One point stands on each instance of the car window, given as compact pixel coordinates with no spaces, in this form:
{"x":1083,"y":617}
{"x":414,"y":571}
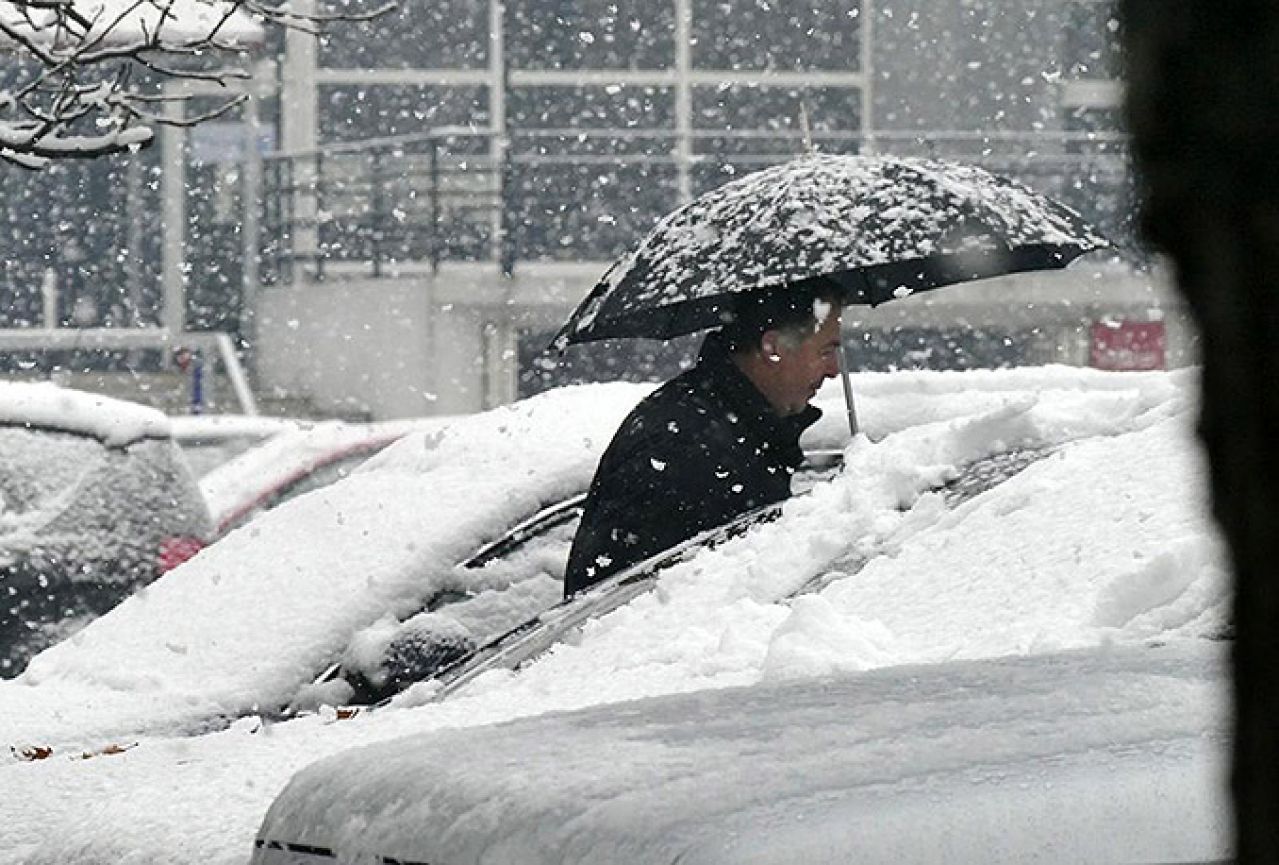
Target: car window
{"x":40,"y":471}
{"x":568,"y":511}
{"x":205,"y":456}
{"x":305,"y":482}
{"x":325,"y":475}
{"x":40,"y":468}
{"x":496,"y":588}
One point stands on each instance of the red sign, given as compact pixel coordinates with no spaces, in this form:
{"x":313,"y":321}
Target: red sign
{"x":1129,"y":345}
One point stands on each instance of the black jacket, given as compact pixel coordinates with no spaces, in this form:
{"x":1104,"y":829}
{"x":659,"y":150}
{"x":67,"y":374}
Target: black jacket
{"x":700,"y":450}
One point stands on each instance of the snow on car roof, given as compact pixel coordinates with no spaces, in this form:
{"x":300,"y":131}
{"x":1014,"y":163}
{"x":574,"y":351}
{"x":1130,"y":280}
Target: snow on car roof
{"x":114,"y":422}
{"x":218,"y":427}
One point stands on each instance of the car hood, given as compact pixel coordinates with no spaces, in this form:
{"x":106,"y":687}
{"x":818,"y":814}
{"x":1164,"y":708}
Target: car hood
{"x":1096,"y":755}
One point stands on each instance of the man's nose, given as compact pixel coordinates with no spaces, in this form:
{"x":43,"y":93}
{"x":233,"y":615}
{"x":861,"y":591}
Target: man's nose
{"x":832,"y":367}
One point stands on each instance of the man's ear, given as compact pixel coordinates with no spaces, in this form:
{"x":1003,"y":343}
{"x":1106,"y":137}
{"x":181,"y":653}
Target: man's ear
{"x":769,"y":341}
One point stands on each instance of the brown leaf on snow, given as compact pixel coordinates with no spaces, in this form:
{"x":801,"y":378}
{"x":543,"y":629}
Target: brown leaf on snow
{"x":31,"y":753}
{"x":108,"y":750}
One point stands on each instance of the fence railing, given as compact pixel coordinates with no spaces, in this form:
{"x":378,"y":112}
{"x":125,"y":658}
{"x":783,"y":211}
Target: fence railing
{"x":414,"y":202}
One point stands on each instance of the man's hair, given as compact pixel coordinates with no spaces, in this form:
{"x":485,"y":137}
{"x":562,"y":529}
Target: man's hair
{"x":790,"y":310}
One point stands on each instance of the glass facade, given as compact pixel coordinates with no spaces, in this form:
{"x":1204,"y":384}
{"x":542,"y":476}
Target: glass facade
{"x":441,"y":34}
{"x":590,"y":34}
{"x":816,"y":35}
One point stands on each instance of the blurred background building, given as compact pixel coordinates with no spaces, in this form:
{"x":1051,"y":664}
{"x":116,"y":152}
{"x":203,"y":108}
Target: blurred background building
{"x":400,"y":217}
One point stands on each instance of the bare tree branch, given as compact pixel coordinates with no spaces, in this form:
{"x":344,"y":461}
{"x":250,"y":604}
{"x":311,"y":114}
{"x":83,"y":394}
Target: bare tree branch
{"x":74,"y":94}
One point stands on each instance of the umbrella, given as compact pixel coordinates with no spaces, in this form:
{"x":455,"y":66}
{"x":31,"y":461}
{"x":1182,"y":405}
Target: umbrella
{"x":878,"y":227}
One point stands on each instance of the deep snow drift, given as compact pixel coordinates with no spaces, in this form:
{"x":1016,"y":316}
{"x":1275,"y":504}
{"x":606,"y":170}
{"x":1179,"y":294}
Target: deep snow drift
{"x":1105,"y":539}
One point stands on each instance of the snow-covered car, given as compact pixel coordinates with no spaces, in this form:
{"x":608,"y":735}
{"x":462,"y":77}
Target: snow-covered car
{"x":95,"y":502}
{"x":1097,"y":755}
{"x":320,"y":578}
{"x":1103,"y":541}
{"x":294,"y":460}
{"x":1085,"y":748}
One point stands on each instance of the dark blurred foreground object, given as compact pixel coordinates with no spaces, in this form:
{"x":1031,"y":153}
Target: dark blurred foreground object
{"x":95,"y":501}
{"x":1203,"y":78}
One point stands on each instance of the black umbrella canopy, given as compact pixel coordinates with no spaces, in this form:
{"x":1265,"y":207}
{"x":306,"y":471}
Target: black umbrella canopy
{"x":879,"y":227}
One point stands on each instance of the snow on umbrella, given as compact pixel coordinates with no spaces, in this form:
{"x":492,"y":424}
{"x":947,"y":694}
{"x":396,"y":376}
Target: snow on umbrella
{"x":878,"y":226}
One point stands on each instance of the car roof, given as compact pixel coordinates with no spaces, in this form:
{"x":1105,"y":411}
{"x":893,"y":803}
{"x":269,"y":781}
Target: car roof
{"x":1103,"y":755}
{"x":45,"y":405}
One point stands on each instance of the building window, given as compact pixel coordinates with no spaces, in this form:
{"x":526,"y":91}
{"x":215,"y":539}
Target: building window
{"x":441,"y":34}
{"x":816,"y":35}
{"x":590,"y":34}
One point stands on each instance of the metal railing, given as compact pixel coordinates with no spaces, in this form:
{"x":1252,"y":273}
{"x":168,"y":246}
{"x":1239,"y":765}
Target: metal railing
{"x":392,"y":205}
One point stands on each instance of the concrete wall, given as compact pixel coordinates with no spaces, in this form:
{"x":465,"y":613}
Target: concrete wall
{"x":409,"y":345}
{"x":353,"y":348}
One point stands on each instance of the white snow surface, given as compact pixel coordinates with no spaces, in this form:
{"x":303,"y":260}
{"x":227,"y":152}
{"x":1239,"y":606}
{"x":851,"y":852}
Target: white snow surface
{"x":981,"y":761}
{"x":1106,"y":541}
{"x":114,"y":422}
{"x":289,"y":454}
{"x":219,"y":427}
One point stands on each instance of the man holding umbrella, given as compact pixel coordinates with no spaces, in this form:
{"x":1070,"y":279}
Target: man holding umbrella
{"x":769,"y":259}
{"x":716,"y":442}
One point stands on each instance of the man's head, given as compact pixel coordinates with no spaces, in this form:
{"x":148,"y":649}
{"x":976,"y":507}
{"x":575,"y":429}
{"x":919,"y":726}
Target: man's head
{"x":787,"y":343}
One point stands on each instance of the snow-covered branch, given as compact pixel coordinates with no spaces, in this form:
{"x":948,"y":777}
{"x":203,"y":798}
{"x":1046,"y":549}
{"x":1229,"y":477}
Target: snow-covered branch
{"x":81,"y":75}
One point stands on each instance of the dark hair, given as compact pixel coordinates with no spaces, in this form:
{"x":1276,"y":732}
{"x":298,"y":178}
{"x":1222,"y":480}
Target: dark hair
{"x":787,"y":308}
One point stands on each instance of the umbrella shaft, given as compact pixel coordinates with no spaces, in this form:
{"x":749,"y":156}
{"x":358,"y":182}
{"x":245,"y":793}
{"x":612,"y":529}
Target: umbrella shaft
{"x":848,"y":390}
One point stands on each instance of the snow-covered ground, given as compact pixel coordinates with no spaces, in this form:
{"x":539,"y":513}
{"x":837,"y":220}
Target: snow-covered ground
{"x":1105,"y":540}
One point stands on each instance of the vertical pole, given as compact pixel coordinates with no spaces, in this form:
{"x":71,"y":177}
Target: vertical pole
{"x":377,"y":207}
{"x":317,"y":205}
{"x":435,"y":204}
{"x":174,"y":219}
{"x":868,"y":78}
{"x":136,"y":207}
{"x":252,"y":224}
{"x":197,"y":381}
{"x":49,"y":296}
{"x":684,"y":99}
{"x":499,"y":143}
{"x":300,"y":132}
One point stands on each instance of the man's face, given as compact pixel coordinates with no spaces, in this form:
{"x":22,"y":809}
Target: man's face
{"x":800,"y":369}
